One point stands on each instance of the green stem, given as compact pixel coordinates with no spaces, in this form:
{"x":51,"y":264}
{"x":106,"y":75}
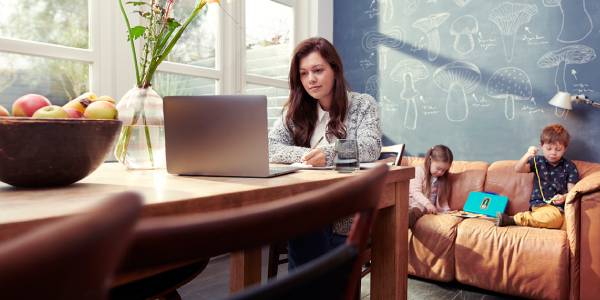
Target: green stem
{"x":154,"y":64}
{"x":148,"y":141}
{"x":134,"y":55}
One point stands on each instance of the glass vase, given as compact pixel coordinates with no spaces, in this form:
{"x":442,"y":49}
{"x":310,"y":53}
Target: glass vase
{"x":141,"y":144}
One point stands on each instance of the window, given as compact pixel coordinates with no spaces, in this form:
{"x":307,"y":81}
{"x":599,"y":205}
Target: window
{"x":44,"y":48}
{"x":268,"y":41}
{"x":63,"y":48}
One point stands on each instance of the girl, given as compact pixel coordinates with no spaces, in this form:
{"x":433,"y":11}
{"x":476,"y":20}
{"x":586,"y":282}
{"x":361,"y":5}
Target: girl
{"x":429,"y":191}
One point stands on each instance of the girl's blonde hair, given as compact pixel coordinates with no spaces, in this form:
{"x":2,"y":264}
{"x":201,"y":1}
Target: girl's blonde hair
{"x":439,"y":153}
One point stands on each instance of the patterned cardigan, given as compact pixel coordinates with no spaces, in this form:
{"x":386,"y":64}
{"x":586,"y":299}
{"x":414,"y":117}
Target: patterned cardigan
{"x":362,"y":123}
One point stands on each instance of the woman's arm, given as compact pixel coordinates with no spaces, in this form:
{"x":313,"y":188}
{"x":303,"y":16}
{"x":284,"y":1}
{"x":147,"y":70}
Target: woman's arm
{"x":281,"y":145}
{"x":368,"y":132}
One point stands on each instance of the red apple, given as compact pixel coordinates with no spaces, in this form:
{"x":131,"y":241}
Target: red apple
{"x":101,"y":110}
{"x":3,"y":112}
{"x":29,"y":104}
{"x":76,"y":104}
{"x":50,"y":112}
{"x":73,"y":113}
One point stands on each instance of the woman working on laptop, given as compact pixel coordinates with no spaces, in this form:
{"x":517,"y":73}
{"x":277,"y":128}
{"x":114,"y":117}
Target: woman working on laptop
{"x":319,"y":110}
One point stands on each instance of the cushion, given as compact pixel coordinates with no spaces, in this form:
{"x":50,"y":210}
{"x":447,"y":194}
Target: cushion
{"x":514,"y":260}
{"x":431,"y":247}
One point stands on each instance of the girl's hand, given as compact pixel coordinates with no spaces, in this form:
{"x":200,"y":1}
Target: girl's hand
{"x":430,"y":209}
{"x":315,"y":158}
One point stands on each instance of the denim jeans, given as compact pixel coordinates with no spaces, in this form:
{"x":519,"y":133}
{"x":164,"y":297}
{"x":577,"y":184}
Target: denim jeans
{"x":310,"y":246}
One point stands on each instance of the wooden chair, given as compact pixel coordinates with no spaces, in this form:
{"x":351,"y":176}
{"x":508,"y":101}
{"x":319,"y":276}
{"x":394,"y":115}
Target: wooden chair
{"x":389,"y":154}
{"x":171,"y":242}
{"x":72,"y":258}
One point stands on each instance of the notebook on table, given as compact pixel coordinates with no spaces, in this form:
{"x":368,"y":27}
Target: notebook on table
{"x":218,"y":135}
{"x":391,"y":155}
{"x":485,"y":203}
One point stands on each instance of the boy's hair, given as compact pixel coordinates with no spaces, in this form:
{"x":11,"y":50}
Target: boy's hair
{"x":555,"y":133}
{"x":438,"y":153}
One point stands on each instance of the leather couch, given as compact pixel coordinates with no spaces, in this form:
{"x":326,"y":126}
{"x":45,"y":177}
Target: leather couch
{"x":520,"y":261}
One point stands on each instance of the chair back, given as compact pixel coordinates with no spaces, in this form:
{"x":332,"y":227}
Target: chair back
{"x":72,"y":258}
{"x":171,"y":240}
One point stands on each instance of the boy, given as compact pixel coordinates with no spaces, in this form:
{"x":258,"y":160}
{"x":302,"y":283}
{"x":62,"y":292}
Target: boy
{"x":554,"y":177}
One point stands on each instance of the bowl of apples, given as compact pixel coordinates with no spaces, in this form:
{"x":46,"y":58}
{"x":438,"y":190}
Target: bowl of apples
{"x":43,"y":145}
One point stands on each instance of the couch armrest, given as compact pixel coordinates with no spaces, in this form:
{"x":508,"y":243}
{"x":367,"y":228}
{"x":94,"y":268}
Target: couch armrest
{"x":582,"y":217}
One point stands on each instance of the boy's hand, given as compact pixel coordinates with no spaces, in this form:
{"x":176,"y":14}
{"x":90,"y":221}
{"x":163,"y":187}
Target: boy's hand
{"x":559,"y":199}
{"x":531,"y":151}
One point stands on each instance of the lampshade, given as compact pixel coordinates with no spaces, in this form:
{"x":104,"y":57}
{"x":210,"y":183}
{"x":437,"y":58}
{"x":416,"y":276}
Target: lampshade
{"x":561,"y":100}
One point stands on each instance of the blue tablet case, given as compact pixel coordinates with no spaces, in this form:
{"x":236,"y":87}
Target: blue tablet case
{"x":485,"y":203}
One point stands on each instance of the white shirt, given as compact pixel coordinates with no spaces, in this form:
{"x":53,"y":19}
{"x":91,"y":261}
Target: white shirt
{"x":320,"y":128}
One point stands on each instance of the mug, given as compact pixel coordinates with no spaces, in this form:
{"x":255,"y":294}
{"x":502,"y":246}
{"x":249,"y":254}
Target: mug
{"x":346,"y":156}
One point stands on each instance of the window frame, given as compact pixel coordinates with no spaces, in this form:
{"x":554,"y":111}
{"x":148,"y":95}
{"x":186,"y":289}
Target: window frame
{"x":109,"y":55}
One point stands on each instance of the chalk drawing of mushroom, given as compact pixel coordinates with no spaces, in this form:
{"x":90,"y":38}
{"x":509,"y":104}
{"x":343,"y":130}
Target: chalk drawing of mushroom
{"x":372,"y":86}
{"x":457,"y":79}
{"x":509,"y":17}
{"x":510,"y":84}
{"x":409,"y":7}
{"x":429,"y":25}
{"x":407,"y":72}
{"x":576,"y":21}
{"x":462,"y":3}
{"x":562,"y":58}
{"x":463,"y":30}
{"x":391,"y":39}
{"x":387,"y":10}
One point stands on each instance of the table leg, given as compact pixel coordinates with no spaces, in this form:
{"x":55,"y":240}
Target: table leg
{"x":244,"y":269}
{"x":390,"y":249}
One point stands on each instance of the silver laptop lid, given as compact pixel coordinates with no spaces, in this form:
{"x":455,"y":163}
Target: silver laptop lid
{"x":216,"y":135}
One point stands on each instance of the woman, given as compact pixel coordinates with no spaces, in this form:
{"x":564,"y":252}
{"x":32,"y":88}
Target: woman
{"x":320,"y":110}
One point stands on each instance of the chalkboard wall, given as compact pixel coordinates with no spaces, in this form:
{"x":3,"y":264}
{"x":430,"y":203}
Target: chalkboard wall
{"x":475,"y":75}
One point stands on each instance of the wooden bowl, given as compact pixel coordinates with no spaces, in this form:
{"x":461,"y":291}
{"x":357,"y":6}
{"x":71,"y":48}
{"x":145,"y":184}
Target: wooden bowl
{"x":53,"y":152}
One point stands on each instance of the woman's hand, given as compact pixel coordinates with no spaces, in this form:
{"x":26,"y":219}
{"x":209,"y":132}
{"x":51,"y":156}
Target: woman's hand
{"x":315,"y":158}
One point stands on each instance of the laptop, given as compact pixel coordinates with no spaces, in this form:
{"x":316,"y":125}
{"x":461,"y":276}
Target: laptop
{"x":485,"y":203}
{"x":218,"y":135}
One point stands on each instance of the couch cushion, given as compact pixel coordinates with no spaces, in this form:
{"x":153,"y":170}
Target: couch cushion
{"x":465,"y":176}
{"x":502,"y":179}
{"x":431,"y":247}
{"x":515,"y":260}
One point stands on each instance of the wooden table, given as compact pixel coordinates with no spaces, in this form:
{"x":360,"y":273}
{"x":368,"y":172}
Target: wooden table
{"x":164,"y":194}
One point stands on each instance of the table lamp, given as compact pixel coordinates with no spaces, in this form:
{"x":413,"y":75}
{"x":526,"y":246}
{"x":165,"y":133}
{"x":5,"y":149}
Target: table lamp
{"x":563,"y":100}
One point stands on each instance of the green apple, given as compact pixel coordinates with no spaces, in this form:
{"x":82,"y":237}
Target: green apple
{"x":101,"y":110}
{"x":3,"y":112}
{"x":50,"y":112}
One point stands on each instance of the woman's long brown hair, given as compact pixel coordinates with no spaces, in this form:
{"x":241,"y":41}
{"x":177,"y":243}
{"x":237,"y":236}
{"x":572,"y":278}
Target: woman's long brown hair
{"x":301,"y":115}
{"x":438,"y":153}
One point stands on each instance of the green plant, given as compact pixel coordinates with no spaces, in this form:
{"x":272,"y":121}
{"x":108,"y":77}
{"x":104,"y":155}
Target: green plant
{"x":159,"y":33}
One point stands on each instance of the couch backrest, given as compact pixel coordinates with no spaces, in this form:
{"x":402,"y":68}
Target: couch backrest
{"x":465,"y":176}
{"x":502,"y":179}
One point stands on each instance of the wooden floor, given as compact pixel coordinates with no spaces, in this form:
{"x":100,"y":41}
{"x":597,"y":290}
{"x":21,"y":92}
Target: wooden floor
{"x":213,"y":283}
